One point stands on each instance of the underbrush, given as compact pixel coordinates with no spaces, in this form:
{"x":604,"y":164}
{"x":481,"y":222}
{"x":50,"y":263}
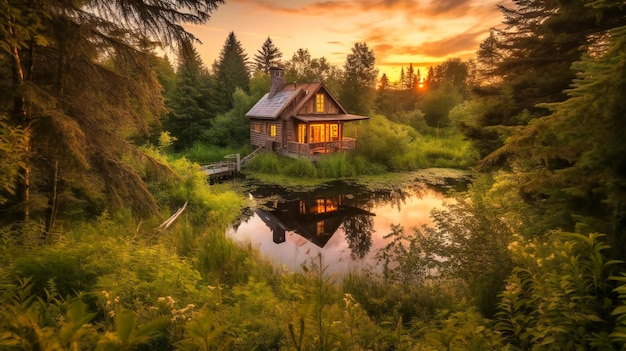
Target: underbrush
{"x":205,"y":153}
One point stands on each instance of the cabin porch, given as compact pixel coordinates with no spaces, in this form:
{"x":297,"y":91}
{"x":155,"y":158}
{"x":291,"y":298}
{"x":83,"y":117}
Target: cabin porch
{"x":319,"y":148}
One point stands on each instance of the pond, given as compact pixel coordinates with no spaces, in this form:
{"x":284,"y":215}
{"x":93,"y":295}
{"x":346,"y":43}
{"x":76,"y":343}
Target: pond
{"x":343,"y":222}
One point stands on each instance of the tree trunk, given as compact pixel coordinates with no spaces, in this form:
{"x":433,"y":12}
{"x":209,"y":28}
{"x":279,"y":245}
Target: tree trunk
{"x":20,"y":116}
{"x":51,"y":214}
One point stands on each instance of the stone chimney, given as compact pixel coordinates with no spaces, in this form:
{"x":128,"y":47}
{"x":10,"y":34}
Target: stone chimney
{"x":277,"y":82}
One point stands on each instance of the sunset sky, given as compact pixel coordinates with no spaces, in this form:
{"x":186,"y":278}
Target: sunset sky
{"x":422,"y":32}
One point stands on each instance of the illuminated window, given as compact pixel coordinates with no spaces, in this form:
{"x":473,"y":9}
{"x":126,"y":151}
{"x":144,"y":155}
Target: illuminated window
{"x":319,"y":102}
{"x":256,"y":127}
{"x":317,"y":133}
{"x":334,"y":131}
{"x":273,"y":130}
{"x":302,"y":133}
{"x":320,"y":228}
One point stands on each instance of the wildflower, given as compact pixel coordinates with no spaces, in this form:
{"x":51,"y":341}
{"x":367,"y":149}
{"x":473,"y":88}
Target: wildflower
{"x":513,"y":288}
{"x":169,"y":301}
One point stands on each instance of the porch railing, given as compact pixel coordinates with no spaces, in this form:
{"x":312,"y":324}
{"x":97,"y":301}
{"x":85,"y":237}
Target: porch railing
{"x":322,"y":147}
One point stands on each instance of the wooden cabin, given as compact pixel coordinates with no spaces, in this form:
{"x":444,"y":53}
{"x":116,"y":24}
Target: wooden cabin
{"x":299,"y":119}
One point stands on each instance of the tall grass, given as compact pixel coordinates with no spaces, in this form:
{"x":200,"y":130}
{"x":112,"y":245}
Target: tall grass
{"x":336,"y":166}
{"x":266,"y":162}
{"x":204,"y":153}
{"x":428,"y":151}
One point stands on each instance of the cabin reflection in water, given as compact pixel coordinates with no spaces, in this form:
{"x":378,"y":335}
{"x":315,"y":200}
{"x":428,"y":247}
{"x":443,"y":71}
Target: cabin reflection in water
{"x":314,"y":219}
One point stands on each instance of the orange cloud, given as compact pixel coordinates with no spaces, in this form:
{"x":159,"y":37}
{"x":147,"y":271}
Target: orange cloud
{"x":409,"y":8}
{"x":399,"y":31}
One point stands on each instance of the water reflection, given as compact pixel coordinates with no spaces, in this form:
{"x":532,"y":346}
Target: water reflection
{"x":316,"y":217}
{"x":343,"y":222}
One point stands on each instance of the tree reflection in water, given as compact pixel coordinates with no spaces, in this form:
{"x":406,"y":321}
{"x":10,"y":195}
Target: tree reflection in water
{"x":358,"y":231}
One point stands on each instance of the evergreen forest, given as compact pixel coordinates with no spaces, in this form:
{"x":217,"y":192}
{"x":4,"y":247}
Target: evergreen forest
{"x":112,"y":237}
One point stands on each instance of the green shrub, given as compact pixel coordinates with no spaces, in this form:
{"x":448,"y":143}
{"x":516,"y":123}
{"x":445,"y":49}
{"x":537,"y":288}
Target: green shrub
{"x":559,"y":295}
{"x":205,"y":153}
{"x":69,"y":266}
{"x":265,"y":162}
{"x":407,"y":303}
{"x":301,"y":167}
{"x":380,"y":139}
{"x":461,"y":329}
{"x":335,"y":166}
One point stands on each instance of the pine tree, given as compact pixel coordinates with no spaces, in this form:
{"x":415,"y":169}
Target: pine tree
{"x":533,"y":58}
{"x":231,"y":72}
{"x":489,"y":57}
{"x":384,"y":82}
{"x":541,"y":41}
{"x":191,"y":104}
{"x":410,"y":77}
{"x":268,"y":56}
{"x":570,"y":163}
{"x":452,"y":73}
{"x":82,"y":86}
{"x":418,"y":78}
{"x":359,"y":80}
{"x":428,"y":82}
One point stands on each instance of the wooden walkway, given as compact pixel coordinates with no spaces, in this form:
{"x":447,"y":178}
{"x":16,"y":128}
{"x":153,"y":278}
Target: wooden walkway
{"x":228,"y":169}
{"x":220,"y":170}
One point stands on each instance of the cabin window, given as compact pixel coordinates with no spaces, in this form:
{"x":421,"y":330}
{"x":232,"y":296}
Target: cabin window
{"x":317,"y":133}
{"x":256,"y":127}
{"x":320,"y":228}
{"x":273,"y":130}
{"x":319,"y":103}
{"x":302,"y":133}
{"x":334,"y":131}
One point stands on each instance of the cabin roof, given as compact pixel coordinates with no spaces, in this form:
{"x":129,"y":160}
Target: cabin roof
{"x":271,"y":108}
{"x":319,"y":118}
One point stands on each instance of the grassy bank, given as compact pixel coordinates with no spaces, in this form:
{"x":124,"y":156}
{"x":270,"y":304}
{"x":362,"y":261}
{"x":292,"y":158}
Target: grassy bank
{"x":383,"y":147}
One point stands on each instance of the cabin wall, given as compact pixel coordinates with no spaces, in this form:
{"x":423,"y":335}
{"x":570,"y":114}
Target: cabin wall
{"x":290,"y":130}
{"x":261,"y":133}
{"x":330,"y":107}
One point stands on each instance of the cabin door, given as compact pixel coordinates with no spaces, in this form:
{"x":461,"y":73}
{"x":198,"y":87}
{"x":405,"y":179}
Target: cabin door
{"x":318,"y":134}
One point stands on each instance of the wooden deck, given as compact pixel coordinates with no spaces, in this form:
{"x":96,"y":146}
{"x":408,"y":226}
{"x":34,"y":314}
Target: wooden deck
{"x":228,"y":169}
{"x":314,"y":150}
{"x":220,"y":170}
